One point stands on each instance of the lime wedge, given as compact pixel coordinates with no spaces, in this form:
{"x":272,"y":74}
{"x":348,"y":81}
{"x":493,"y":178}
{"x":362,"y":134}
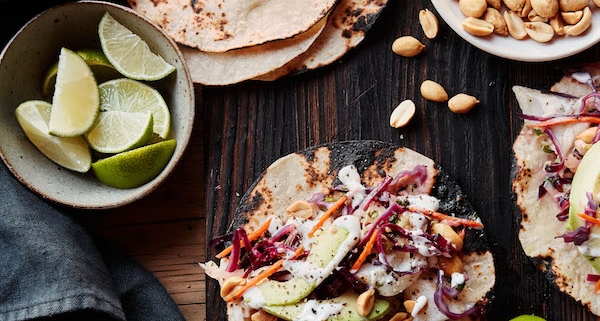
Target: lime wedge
{"x":128,"y":53}
{"x":69,"y":152}
{"x":75,"y":102}
{"x":116,"y":131}
{"x":135,"y":167}
{"x":133,"y":96}
{"x":101,"y":67}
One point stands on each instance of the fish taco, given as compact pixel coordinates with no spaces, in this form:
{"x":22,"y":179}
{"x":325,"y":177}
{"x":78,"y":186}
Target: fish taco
{"x":356,"y":230}
{"x":556,"y":182}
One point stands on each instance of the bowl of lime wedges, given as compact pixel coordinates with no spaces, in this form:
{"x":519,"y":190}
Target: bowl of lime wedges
{"x":96,"y":105}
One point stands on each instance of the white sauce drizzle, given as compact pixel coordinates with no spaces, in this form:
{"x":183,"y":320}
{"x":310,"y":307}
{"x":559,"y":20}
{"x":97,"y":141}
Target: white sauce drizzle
{"x":313,"y":311}
{"x":349,"y":176}
{"x":254,"y":298}
{"x":423,"y":201}
{"x":457,"y":279}
{"x":419,"y":304}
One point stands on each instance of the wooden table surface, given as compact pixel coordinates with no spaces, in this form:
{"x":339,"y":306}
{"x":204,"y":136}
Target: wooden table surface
{"x":241,"y":129}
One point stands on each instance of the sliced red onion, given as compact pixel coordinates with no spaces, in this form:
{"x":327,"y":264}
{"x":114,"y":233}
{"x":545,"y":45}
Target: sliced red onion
{"x":595,"y":96}
{"x":400,"y":181}
{"x":556,"y":93}
{"x":319,"y":200}
{"x":375,"y":192}
{"x":578,"y":236}
{"x":555,"y":167}
{"x":593,"y":277}
{"x":591,"y":206}
{"x":234,"y":257}
{"x":282,"y":232}
{"x":438,"y":298}
{"x":393,"y":209}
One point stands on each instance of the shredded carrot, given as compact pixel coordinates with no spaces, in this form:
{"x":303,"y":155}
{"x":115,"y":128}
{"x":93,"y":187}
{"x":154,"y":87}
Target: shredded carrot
{"x":597,"y":287}
{"x":263,"y":275}
{"x":461,"y":233}
{"x":252,"y":237}
{"x":589,"y":218}
{"x":450,"y":220}
{"x":366,"y":251}
{"x":327,"y":214}
{"x":565,"y":120}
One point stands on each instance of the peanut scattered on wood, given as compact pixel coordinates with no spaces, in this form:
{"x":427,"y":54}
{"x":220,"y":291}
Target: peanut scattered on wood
{"x":402,"y":114}
{"x":462,"y":103}
{"x":433,"y":91}
{"x":407,"y":46}
{"x":429,"y":23}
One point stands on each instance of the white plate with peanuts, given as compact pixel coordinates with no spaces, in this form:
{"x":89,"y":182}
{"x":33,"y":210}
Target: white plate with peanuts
{"x":514,"y":30}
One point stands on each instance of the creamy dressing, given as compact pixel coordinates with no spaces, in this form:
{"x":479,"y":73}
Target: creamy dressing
{"x":349,"y":176}
{"x":419,"y":305}
{"x":254,"y":298}
{"x":423,"y":245}
{"x":315,"y":311}
{"x":275,"y":224}
{"x":387,"y":283}
{"x":457,"y":279}
{"x":417,"y":222}
{"x":590,"y":247}
{"x":312,"y":272}
{"x":303,"y":226}
{"x":423,"y":201}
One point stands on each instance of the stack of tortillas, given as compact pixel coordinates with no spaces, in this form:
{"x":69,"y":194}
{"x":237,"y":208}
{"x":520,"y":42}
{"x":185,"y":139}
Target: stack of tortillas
{"x":229,"y":41}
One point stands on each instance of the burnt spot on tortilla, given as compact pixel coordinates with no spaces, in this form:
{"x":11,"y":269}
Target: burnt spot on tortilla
{"x":454,"y":202}
{"x":347,"y":33}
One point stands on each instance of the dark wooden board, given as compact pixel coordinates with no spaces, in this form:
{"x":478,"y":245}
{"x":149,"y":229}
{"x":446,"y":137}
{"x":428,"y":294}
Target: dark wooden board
{"x":252,"y":124}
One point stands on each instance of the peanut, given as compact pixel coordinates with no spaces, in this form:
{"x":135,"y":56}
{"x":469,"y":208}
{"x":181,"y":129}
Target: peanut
{"x":300,"y":209}
{"x":365,"y":301}
{"x":447,"y":232}
{"x":230,"y":284}
{"x":582,"y":25}
{"x":557,"y":24}
{"x":539,"y":31}
{"x":407,"y":46}
{"x":597,"y":3}
{"x":472,"y":8}
{"x":572,"y":17}
{"x":587,"y":135}
{"x":545,"y":8}
{"x":263,"y":316}
{"x":572,"y":5}
{"x":514,"y":5}
{"x":401,"y":316}
{"x":409,"y":305}
{"x":494,"y":17}
{"x":450,"y":265}
{"x":477,"y":27}
{"x":402,"y":114}
{"x":462,"y":103}
{"x":526,"y":9}
{"x":433,"y":91}
{"x":496,"y":4}
{"x":429,"y":23}
{"x":516,"y":26}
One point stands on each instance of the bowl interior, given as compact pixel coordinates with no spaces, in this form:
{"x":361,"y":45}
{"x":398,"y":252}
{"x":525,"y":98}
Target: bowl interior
{"x":24,"y":62}
{"x":527,"y":49}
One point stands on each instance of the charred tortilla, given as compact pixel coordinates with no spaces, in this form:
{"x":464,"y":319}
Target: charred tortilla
{"x":302,"y":175}
{"x":222,"y":25}
{"x":542,"y":187}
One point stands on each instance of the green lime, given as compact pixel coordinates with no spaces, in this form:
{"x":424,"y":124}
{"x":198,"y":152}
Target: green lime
{"x":527,"y":317}
{"x":70,"y":152}
{"x":116,"y":131}
{"x":128,"y":53}
{"x":133,"y":96}
{"x":75,"y":102}
{"x":97,"y":61}
{"x":135,"y":167}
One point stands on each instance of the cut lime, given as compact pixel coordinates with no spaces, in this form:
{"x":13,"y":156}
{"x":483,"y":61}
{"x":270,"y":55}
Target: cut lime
{"x":69,"y":152}
{"x":128,"y":53}
{"x":133,"y":96}
{"x":527,"y":317}
{"x":116,"y":131}
{"x":135,"y":167}
{"x":75,"y":102}
{"x":101,"y":67}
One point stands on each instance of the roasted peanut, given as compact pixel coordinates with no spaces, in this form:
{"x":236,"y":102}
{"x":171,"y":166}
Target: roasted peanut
{"x":402,"y":114}
{"x":429,"y":23}
{"x":472,"y":8}
{"x":462,"y":103}
{"x":545,"y":8}
{"x":450,"y":265}
{"x":516,"y":26}
{"x":514,"y":5}
{"x":572,"y":5}
{"x":557,"y":25}
{"x":539,"y":31}
{"x":587,"y":135}
{"x":582,"y":25}
{"x":300,"y":209}
{"x":407,"y":46}
{"x":433,"y":91}
{"x":477,"y":27}
{"x":263,"y":316}
{"x":571,"y":17}
{"x":230,"y":284}
{"x":447,"y":232}
{"x":409,"y":305}
{"x":496,"y":4}
{"x":494,"y":17}
{"x":597,"y":3}
{"x":526,"y":9}
{"x":365,"y":301}
{"x":401,"y":316}
{"x":534,"y":17}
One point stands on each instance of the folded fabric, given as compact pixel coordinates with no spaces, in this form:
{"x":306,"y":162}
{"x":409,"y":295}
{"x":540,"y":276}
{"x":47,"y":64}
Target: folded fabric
{"x":52,"y":268}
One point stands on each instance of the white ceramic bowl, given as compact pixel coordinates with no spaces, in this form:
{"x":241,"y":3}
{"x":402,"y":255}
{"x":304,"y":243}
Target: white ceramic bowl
{"x":527,"y":49}
{"x":25,"y":60}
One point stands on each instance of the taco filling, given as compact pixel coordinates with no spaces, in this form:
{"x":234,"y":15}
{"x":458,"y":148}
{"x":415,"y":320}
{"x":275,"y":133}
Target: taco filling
{"x":558,"y":183}
{"x":355,"y":251}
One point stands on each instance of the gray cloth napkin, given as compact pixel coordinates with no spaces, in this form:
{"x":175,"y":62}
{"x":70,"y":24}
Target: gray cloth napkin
{"x":52,"y":268}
